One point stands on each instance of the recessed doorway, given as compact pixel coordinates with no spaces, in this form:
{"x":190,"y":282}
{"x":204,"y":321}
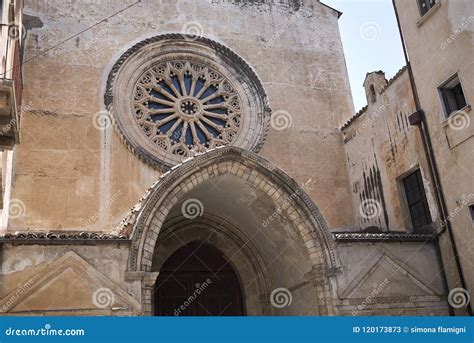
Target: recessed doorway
{"x":197,"y":280}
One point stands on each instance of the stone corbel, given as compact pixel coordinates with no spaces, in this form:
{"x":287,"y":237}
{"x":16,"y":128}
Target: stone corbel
{"x":149,"y":279}
{"x":316,"y":276}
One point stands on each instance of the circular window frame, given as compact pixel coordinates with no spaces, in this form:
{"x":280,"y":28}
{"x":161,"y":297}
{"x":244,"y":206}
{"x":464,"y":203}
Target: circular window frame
{"x":122,"y":80}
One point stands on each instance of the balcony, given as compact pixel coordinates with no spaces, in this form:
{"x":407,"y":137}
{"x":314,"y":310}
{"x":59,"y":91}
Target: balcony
{"x":10,"y":85}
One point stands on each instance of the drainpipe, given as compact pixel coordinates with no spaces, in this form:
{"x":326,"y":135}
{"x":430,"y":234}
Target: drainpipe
{"x":418,"y":118}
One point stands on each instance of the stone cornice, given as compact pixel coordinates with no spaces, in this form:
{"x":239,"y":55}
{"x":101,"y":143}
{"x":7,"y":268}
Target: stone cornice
{"x":62,"y":237}
{"x":383,"y":236}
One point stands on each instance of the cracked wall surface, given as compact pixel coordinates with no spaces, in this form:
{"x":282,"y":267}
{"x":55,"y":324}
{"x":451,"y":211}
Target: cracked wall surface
{"x":72,"y":174}
{"x":381,"y":147}
{"x":66,"y":169}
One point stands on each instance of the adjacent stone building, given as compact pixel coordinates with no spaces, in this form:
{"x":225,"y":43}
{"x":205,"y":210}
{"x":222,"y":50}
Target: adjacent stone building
{"x":202,"y":158}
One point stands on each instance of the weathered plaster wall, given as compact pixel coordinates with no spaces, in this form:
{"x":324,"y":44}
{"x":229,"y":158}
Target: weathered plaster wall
{"x":439,"y":46}
{"x":381,"y":146}
{"x":70,"y":175}
{"x":390,"y":279}
{"x":66,"y":280}
{"x":375,"y":279}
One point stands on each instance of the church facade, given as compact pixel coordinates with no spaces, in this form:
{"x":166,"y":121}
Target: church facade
{"x":204,"y":158}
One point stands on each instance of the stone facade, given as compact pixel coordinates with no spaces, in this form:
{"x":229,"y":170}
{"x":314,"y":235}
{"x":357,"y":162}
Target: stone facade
{"x":381,"y":146}
{"x":98,"y":165}
{"x":447,"y":31}
{"x":285,"y":202}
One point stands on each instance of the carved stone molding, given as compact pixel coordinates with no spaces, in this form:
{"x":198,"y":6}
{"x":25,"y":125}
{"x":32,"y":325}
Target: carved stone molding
{"x":156,"y":201}
{"x":62,"y":237}
{"x":174,"y":96}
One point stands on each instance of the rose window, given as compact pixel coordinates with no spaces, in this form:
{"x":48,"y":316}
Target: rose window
{"x":185,"y":107}
{"x":172,"y":97}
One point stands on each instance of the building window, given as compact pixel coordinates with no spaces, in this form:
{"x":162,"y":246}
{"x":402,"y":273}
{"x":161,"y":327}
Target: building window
{"x":1,"y":13}
{"x":471,"y":213}
{"x":172,"y":97}
{"x":425,"y":5}
{"x":372,"y":95}
{"x":452,"y":96}
{"x":416,"y":200}
{"x":185,"y":107}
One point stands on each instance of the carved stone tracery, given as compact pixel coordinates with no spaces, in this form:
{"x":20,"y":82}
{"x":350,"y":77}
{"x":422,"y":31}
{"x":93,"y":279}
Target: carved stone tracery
{"x":186,"y":107}
{"x":173,"y":96}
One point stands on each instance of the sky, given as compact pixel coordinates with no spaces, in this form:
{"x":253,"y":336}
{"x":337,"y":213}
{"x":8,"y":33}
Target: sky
{"x":370,"y":39}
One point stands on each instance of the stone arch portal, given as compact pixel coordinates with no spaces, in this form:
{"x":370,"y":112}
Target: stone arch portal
{"x":260,"y":218}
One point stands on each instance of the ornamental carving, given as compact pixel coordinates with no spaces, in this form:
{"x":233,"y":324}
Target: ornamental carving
{"x":185,"y":107}
{"x":172,"y":97}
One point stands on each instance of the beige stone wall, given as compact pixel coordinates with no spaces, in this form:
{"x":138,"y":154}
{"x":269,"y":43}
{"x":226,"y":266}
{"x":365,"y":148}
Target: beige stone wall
{"x":375,"y":279}
{"x":64,"y":280}
{"x":439,"y":45}
{"x":381,"y":147}
{"x":70,"y":175}
{"x":390,"y":279}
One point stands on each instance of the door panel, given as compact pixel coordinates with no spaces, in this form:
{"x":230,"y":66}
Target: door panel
{"x":182,"y":287}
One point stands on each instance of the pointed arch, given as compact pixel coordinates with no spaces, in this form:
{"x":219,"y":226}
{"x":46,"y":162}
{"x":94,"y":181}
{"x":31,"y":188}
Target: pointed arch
{"x":262,"y":174}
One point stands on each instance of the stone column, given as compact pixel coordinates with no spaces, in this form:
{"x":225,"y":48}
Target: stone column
{"x":319,"y":278}
{"x":148,"y":288}
{"x":147,"y":281}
